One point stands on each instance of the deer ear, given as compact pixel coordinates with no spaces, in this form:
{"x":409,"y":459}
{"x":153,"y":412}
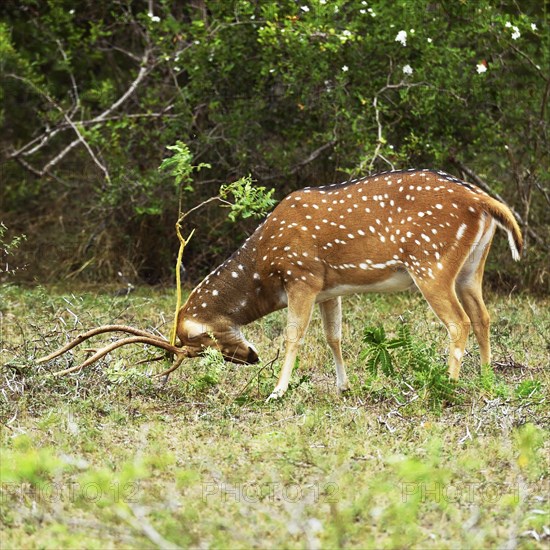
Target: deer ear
{"x":252,"y":356}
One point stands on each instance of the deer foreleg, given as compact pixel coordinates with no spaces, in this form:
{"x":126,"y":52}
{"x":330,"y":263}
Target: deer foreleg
{"x":301,"y":300}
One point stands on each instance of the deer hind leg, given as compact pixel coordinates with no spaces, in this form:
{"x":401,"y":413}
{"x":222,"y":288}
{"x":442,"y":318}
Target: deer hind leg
{"x":441,"y":296}
{"x":331,"y":313}
{"x":469,"y":289}
{"x":301,"y":299}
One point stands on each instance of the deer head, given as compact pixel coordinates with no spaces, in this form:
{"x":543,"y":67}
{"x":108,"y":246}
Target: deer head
{"x":195,"y":337}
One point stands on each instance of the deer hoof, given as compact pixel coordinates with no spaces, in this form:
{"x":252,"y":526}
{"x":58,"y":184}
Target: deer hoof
{"x":275,"y":394}
{"x":343,"y":387}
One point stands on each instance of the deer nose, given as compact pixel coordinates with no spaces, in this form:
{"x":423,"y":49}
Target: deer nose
{"x":252,"y":356}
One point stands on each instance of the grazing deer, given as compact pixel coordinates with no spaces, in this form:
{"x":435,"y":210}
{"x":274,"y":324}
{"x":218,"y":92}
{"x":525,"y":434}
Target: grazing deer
{"x":382,"y":233}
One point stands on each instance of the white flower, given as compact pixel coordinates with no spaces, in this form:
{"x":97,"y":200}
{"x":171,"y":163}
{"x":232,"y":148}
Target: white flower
{"x":516,"y":34}
{"x":346,"y":33}
{"x":304,"y":8}
{"x":412,"y":31}
{"x":401,"y":37}
{"x":177,"y":69}
{"x":154,"y":18}
{"x":371,"y":11}
{"x":362,"y":12}
{"x":481,"y":68}
{"x":429,"y":40}
{"x":508,"y":24}
{"x":407,"y":69}
{"x":72,"y":13}
{"x":345,"y":69}
{"x":534,"y":27}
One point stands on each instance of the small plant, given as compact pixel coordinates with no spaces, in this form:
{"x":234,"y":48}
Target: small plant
{"x":180,"y":165}
{"x":6,"y":249}
{"x":377,"y":351}
{"x":250,"y":201}
{"x":424,"y":372}
{"x":118,"y":374}
{"x":528,"y":389}
{"x":211,"y":365}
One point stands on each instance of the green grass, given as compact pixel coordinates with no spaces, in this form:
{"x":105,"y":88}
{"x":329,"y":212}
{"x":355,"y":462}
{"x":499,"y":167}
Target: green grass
{"x":104,"y":458}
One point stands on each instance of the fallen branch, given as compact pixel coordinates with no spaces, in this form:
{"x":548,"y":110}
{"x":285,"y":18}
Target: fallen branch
{"x":140,"y":337}
{"x":89,"y":334}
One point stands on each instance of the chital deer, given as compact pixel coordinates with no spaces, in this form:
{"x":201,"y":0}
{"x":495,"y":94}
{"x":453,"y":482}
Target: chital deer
{"x":382,"y":233}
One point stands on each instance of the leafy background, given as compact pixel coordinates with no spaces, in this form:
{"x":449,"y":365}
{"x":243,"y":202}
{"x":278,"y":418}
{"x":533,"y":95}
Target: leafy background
{"x":292,"y":93}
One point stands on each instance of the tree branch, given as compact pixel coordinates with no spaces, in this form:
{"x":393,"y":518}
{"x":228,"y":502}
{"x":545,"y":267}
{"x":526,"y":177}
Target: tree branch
{"x":102,"y":117}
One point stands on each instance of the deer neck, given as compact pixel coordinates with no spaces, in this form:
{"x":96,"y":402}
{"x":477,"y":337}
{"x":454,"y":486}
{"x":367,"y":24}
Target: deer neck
{"x":234,"y":291}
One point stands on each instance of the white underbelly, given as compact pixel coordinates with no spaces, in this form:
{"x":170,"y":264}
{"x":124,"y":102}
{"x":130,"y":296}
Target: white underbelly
{"x":398,"y":281}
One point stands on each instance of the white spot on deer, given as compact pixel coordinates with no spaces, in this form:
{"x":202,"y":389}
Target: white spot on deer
{"x":234,"y":274}
{"x":439,"y":265}
{"x":460,"y":232}
{"x":439,"y":206}
{"x":361,"y":232}
{"x":371,"y":229}
{"x":420,"y":214}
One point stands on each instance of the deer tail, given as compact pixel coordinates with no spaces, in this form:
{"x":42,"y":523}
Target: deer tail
{"x":505,"y":219}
